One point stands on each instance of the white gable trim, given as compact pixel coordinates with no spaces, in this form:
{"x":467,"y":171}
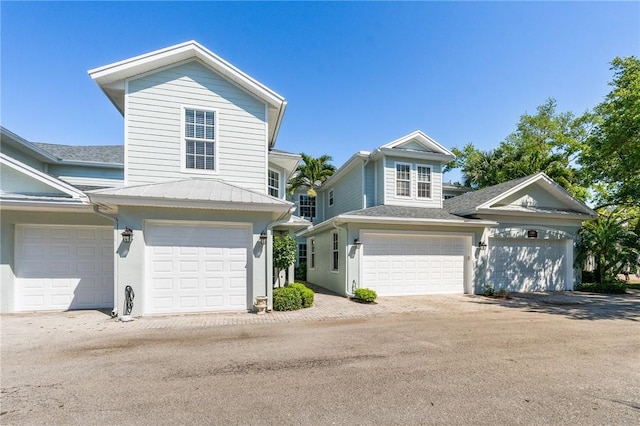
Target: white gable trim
{"x":549,"y":185}
{"x":423,"y":139}
{"x":59,"y":185}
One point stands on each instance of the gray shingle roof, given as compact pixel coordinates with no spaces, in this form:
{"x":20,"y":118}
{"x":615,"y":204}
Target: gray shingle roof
{"x":92,"y":153}
{"x":404,"y":212}
{"x":473,"y":199}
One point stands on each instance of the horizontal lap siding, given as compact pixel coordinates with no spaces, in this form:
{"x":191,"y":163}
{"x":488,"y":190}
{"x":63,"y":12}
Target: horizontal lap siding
{"x":390,"y":178}
{"x":154,"y":132}
{"x":347,"y":194}
{"x":370,"y":185}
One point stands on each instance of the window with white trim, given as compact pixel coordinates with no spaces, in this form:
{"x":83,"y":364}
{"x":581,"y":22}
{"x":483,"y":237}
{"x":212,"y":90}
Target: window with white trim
{"x":403,"y":180}
{"x":273,"y":183}
{"x":330,"y":197}
{"x":312,"y":255}
{"x":424,"y":181}
{"x":307,"y":206}
{"x":335,"y":251}
{"x":200,"y":139}
{"x":302,"y":253}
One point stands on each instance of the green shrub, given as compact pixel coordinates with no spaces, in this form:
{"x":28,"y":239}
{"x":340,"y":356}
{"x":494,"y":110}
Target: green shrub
{"x":365,"y":295}
{"x":306,"y":294}
{"x":488,"y":290}
{"x":614,"y":287}
{"x":301,"y":271}
{"x":502,"y":293}
{"x":286,"y":299}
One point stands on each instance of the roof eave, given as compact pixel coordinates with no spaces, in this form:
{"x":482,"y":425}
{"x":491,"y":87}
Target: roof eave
{"x":550,"y":215}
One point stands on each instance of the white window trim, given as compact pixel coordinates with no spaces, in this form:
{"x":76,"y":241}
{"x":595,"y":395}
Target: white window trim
{"x":269,"y":187}
{"x":183,"y":147}
{"x":331,"y":269}
{"x":315,"y":207}
{"x":331,"y":199}
{"x":395,"y":180}
{"x":311,"y":252}
{"x":418,"y":181}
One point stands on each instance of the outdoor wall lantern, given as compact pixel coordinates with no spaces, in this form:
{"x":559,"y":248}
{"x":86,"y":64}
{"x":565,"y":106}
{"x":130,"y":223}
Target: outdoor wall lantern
{"x":482,"y":245}
{"x":263,"y":237}
{"x":357,"y":242}
{"x":127,"y":235}
{"x":532,"y":233}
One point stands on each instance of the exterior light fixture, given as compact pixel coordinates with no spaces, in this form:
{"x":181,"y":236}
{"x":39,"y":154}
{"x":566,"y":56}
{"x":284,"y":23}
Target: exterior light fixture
{"x":482,"y":245}
{"x":263,"y":237}
{"x":357,"y":242}
{"x":127,"y":235}
{"x":532,"y":233}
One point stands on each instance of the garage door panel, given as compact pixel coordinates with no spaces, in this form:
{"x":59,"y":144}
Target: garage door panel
{"x":208,"y":269}
{"x":59,"y":268}
{"x":404,"y":264}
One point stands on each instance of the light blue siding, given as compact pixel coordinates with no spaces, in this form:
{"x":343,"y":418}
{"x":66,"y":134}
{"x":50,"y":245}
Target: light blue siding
{"x":154,"y":127}
{"x":413,"y":200}
{"x":86,"y":171}
{"x":370,"y":185}
{"x":347,"y":194}
{"x":22,"y":157}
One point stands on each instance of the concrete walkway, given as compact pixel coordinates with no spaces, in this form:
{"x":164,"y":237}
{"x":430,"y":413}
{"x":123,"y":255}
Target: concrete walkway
{"x":329,"y":306}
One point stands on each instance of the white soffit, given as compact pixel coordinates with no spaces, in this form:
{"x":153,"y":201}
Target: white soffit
{"x":422,"y":139}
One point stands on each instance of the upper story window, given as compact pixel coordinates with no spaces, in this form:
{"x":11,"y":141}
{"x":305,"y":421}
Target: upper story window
{"x":307,"y":206}
{"x":403,"y":180}
{"x":200,"y":139}
{"x":424,"y":182}
{"x":335,"y":247}
{"x":274,"y":183}
{"x":330,"y":197}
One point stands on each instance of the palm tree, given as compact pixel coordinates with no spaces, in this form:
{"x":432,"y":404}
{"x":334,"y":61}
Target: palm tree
{"x":311,"y":173}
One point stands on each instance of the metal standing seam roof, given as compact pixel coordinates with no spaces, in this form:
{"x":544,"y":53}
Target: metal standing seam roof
{"x":211,"y":190}
{"x":89,"y":153}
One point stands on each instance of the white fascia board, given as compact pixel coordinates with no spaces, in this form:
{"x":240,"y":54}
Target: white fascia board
{"x":288,"y":162}
{"x":91,"y":164}
{"x":90,"y":181}
{"x":348,"y":165}
{"x":188,"y":204}
{"x":42,"y":177}
{"x":556,"y":189}
{"x":416,"y":155}
{"x":49,"y":206}
{"x":541,"y":215}
{"x":19,"y":141}
{"x":423,"y":138}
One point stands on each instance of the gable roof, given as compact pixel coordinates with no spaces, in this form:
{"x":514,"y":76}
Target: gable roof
{"x":113,"y":154}
{"x":191,"y":193}
{"x":7,"y":137}
{"x":484,"y":200}
{"x":111,"y":77}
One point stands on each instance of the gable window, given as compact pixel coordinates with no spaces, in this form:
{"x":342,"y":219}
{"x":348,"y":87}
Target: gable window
{"x":274,"y":183}
{"x":331,"y":198}
{"x":334,"y":251}
{"x":302,"y":253}
{"x":307,"y":206}
{"x":199,"y":139}
{"x":424,"y":182}
{"x":312,"y":255}
{"x":403,"y":180}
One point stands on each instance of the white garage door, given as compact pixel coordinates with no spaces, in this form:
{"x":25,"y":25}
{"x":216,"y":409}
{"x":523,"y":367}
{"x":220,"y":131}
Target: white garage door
{"x":406,"y":264}
{"x":523,"y":265}
{"x":63,"y":267}
{"x":196,"y":268}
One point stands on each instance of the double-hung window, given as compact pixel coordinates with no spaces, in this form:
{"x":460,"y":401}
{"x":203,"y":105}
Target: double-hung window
{"x":274,"y":183}
{"x":335,"y":253}
{"x":200,"y":139}
{"x":403,"y":180}
{"x":424,"y":182}
{"x":330,"y":197}
{"x":307,"y":206}
{"x":302,"y":253}
{"x":312,"y":254}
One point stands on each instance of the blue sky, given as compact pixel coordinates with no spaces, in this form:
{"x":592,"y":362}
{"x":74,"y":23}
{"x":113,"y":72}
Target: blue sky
{"x":356,"y":75}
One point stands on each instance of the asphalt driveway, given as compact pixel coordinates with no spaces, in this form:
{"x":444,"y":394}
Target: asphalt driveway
{"x":550,"y":359}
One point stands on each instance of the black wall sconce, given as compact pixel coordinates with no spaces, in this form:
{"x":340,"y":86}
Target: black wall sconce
{"x":263,"y":237}
{"x":482,"y":245}
{"x":127,"y":235}
{"x":357,"y":242}
{"x":532,"y":233}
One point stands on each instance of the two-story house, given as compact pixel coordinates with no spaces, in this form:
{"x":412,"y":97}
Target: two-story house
{"x":186,"y":215}
{"x":385,"y":221}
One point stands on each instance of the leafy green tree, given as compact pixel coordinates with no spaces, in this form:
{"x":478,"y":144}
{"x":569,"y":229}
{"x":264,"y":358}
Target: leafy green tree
{"x":284,"y":253}
{"x":311,"y":173}
{"x":612,"y":241}
{"x":611,"y":156}
{"x":544,"y":142}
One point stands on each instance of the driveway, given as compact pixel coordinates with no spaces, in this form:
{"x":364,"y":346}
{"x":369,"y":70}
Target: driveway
{"x":546,"y":359}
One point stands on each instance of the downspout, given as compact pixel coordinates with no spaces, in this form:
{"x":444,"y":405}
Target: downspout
{"x":268,"y":290}
{"x":114,"y":312}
